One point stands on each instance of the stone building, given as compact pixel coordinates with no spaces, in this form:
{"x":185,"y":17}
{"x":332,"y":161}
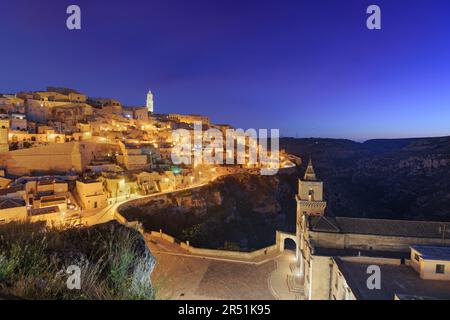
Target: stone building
{"x":12,"y":210}
{"x":132,"y":157}
{"x":432,"y":263}
{"x":47,"y":193}
{"x":56,"y":157}
{"x":140,"y":114}
{"x":190,"y":118}
{"x":11,"y":103}
{"x":18,"y":122}
{"x":110,"y":106}
{"x":65,"y":112}
{"x":91,"y":194}
{"x":119,"y":185}
{"x":322,"y":239}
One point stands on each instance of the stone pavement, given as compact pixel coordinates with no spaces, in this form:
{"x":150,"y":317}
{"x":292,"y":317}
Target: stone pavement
{"x":180,"y":275}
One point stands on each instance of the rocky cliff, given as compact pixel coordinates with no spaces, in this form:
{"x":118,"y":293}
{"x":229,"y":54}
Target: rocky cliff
{"x":240,"y":212}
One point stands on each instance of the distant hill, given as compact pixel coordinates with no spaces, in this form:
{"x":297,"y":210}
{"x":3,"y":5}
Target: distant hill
{"x":397,"y":178}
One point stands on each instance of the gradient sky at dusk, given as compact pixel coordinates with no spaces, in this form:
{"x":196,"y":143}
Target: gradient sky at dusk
{"x":310,"y":68}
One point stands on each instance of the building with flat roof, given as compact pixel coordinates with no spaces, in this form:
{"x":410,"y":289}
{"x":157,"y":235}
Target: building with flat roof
{"x":397,"y":281}
{"x":431,"y":262}
{"x":91,"y":194}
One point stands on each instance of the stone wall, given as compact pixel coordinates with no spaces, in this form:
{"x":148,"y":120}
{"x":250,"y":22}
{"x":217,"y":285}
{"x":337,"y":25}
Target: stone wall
{"x":321,"y":277}
{"x":215,"y":253}
{"x":55,"y":157}
{"x":13,"y":214}
{"x":371,"y":242}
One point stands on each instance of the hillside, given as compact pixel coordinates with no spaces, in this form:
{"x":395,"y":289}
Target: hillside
{"x":239,"y":212}
{"x":114,"y":262}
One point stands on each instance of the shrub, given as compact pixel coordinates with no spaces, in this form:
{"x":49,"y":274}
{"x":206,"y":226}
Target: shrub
{"x":114,"y":262}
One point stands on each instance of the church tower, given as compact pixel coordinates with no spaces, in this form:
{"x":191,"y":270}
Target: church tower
{"x":309,"y":203}
{"x":310,"y":194}
{"x":150,"y":101}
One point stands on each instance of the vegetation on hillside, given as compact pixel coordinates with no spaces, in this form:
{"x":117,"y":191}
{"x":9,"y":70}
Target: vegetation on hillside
{"x":114,"y":262}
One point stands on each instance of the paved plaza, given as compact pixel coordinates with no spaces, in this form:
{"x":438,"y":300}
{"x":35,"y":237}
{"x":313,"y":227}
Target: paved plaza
{"x":180,"y":275}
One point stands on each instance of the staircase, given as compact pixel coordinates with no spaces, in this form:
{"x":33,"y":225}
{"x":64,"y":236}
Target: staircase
{"x":294,"y":267}
{"x":295,"y":286}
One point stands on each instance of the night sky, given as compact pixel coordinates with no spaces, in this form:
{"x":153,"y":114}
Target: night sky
{"x":309,"y":68}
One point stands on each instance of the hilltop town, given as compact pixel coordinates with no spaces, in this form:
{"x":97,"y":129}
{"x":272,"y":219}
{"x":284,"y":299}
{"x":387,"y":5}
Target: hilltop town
{"x":66,"y":157}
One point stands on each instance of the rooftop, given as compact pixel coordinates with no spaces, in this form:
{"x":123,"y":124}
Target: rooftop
{"x":41,"y":211}
{"x":331,"y":252}
{"x":11,"y":203}
{"x":46,"y":182}
{"x":395,"y":280}
{"x":380,"y":227}
{"x":87,"y":181}
{"x":433,"y":253}
{"x":12,"y":189}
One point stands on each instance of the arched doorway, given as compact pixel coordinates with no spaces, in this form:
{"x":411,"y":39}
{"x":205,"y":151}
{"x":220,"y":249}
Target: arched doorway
{"x":287,"y":241}
{"x":290,"y":244}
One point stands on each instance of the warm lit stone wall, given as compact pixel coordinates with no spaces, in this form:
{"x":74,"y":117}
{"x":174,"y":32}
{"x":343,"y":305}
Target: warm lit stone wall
{"x":55,"y":157}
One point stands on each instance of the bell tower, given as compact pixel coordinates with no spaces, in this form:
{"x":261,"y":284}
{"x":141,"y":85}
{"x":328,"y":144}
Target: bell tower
{"x":309,"y":203}
{"x":149,"y":101}
{"x":310,"y":194}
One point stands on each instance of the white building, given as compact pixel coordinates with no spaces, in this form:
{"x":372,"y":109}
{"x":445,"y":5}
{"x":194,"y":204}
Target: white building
{"x":150,"y":101}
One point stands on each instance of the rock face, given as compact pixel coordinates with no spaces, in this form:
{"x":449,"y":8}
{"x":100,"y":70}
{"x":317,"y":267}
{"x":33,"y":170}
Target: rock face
{"x":240,"y":212}
{"x":396,"y":179}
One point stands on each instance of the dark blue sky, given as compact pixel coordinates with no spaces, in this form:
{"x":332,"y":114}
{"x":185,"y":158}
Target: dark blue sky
{"x":307,"y":67}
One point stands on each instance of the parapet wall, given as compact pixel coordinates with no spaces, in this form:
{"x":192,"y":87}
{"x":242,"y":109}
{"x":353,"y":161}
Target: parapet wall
{"x":201,"y":251}
{"x":215,"y":252}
